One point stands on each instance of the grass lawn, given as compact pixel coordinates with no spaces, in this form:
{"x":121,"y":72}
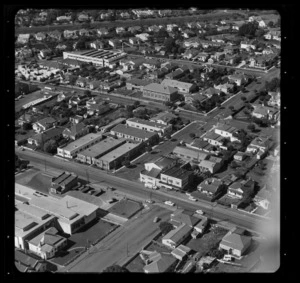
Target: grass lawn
{"x":126,"y":208}
{"x":136,"y":265}
{"x":40,"y":182}
{"x":208,"y":240}
{"x":88,"y":235}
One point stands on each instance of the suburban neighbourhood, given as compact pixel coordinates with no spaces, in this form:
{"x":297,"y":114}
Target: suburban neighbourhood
{"x":146,"y":140}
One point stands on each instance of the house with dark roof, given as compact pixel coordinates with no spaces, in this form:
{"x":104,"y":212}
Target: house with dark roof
{"x":47,"y":244}
{"x":136,"y":84}
{"x":175,"y":237}
{"x":29,"y":263}
{"x":75,"y":131}
{"x":238,"y":189}
{"x":161,"y":263}
{"x":211,"y":187}
{"x":44,"y":124}
{"x":159,"y":92}
{"x":164,"y":118}
{"x":179,"y":218}
{"x":41,"y":138}
{"x":190,"y":154}
{"x":235,"y":244}
{"x":175,"y":75}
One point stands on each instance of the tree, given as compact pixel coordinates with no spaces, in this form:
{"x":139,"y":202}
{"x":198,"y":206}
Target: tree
{"x":87,"y":93}
{"x":243,"y":98}
{"x":115,"y":268}
{"x":168,"y":136}
{"x":50,"y":146}
{"x":26,"y":126}
{"x":271,"y":24}
{"x":136,"y":104}
{"x":192,"y":135}
{"x":231,"y":108}
{"x":251,"y":127}
{"x":148,"y":148}
{"x":165,"y":227}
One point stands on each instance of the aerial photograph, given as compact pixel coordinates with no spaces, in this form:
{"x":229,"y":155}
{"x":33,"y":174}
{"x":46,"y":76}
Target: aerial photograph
{"x":147,"y":140}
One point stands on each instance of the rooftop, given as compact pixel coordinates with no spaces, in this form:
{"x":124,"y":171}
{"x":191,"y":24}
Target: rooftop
{"x":176,"y":234}
{"x":177,"y":172}
{"x":235,"y":241}
{"x":188,"y":152}
{"x":119,"y":151}
{"x":147,"y":123}
{"x":176,"y":84}
{"x":134,"y":132}
{"x":155,"y":87}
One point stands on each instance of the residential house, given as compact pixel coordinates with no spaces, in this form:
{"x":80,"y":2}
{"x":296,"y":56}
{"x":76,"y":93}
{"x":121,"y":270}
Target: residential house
{"x":159,"y":92}
{"x":55,"y":34}
{"x":175,"y":178}
{"x":175,"y":237}
{"x":227,"y":131}
{"x":41,"y":138}
{"x":179,"y":217}
{"x":203,"y":56}
{"x":84,"y":32}
{"x":125,"y":15}
{"x":209,"y":92}
{"x":44,"y":124}
{"x":211,"y":166}
{"x":264,"y":112}
{"x":164,"y":118}
{"x":81,"y":82}
{"x":76,"y":119}
{"x":94,"y":84}
{"x":161,"y":263}
{"x":135,"y":29}
{"x":191,"y":98}
{"x":261,"y":62}
{"x":114,"y":42}
{"x":226,"y":88}
{"x":102,"y":31}
{"x":178,"y":73}
{"x":98,"y":109}
{"x":259,"y":145}
{"x":136,"y":84}
{"x":201,"y":226}
{"x":25,"y":262}
{"x":181,"y":252}
{"x":75,"y":131}
{"x":238,"y":189}
{"x":97,"y":44}
{"x":235,"y":244}
{"x":247,"y":45}
{"x":262,"y":198}
{"x":239,"y":156}
{"x":192,"y":42}
{"x":151,"y":64}
{"x":182,"y":87}
{"x":231,"y":49}
{"x":47,"y":244}
{"x":275,"y":99}
{"x":40,"y":36}
{"x":63,"y":18}
{"x":187,"y":33}
{"x":154,"y":28}
{"x":83,"y":17}
{"x":239,"y":79}
{"x":218,"y":56}
{"x":70,"y":34}
{"x":23,"y":38}
{"x":143,"y":36}
{"x":134,"y":40}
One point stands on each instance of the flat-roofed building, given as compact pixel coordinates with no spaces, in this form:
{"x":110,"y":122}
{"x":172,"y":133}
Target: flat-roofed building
{"x":114,"y":158}
{"x":71,"y":213}
{"x":63,"y":183}
{"x":73,"y":148}
{"x":149,"y":126}
{"x":213,"y":138}
{"x":175,"y":178}
{"x":226,"y":131}
{"x":201,"y":226}
{"x":124,"y":131}
{"x":181,"y":86}
{"x":29,"y":222}
{"x":190,"y":154}
{"x":109,"y":126}
{"x":91,"y":154}
{"x":159,"y":92}
{"x":100,"y":57}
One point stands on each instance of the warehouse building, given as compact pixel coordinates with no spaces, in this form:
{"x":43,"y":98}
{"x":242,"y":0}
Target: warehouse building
{"x":124,"y":131}
{"x":29,"y":222}
{"x":91,"y":154}
{"x":149,"y":126}
{"x":115,"y":158}
{"x":189,"y":154}
{"x":100,"y":57}
{"x":71,"y":213}
{"x":73,"y":148}
{"x":63,"y":183}
{"x":159,"y":92}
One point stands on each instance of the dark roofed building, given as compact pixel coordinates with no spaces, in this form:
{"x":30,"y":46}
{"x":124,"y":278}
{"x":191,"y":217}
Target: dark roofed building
{"x":63,"y":183}
{"x":29,"y":263}
{"x":76,"y":131}
{"x":175,"y":178}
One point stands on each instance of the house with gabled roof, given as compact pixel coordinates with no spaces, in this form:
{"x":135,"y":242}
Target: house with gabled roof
{"x":239,"y":188}
{"x":44,"y":124}
{"x":75,"y":131}
{"x":211,"y":187}
{"x":176,"y":236}
{"x":25,"y":262}
{"x":162,"y":263}
{"x":235,"y":244}
{"x":180,"y":218}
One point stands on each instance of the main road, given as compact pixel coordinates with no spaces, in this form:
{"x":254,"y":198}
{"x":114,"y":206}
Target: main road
{"x":239,"y":218}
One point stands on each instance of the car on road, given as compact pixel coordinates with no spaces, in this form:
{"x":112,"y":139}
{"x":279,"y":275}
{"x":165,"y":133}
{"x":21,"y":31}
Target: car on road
{"x":188,"y":194}
{"x":192,"y":199}
{"x":199,"y":211}
{"x":149,"y":201}
{"x":168,"y":202}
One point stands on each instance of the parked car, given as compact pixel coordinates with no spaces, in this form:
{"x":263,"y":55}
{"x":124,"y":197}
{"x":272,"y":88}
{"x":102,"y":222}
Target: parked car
{"x":199,"y":211}
{"x":149,"y":201}
{"x":192,"y":199}
{"x":156,"y":219}
{"x":168,"y":202}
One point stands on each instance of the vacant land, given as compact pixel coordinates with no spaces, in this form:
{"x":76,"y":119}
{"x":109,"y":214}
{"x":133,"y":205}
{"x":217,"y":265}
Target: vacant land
{"x":126,"y":208}
{"x":28,"y":98}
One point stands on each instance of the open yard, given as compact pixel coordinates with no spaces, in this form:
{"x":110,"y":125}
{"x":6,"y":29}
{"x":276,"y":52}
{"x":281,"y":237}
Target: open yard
{"x":88,"y":235}
{"x":28,"y":98}
{"x":126,"y":208}
{"x":40,"y":182}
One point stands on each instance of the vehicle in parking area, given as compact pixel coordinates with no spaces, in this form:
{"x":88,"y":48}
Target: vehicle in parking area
{"x":199,"y":211}
{"x":156,"y":219}
{"x":168,"y":202}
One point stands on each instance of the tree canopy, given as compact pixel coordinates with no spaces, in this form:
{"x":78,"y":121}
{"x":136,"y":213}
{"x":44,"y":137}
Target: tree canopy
{"x":248,"y":29}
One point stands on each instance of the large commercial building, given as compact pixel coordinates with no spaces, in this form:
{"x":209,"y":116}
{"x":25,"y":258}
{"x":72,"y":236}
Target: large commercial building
{"x":189,"y":154}
{"x":115,"y":158}
{"x":159,"y":92}
{"x":73,"y":148}
{"x":71,"y":213}
{"x":124,"y":131}
{"x":91,"y":154}
{"x":29,"y":222}
{"x":100,"y":57}
{"x":149,"y":126}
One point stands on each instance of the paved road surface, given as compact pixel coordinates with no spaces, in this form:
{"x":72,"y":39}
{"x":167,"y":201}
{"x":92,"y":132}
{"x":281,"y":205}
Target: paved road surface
{"x":122,"y":244}
{"x":236,"y":217}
